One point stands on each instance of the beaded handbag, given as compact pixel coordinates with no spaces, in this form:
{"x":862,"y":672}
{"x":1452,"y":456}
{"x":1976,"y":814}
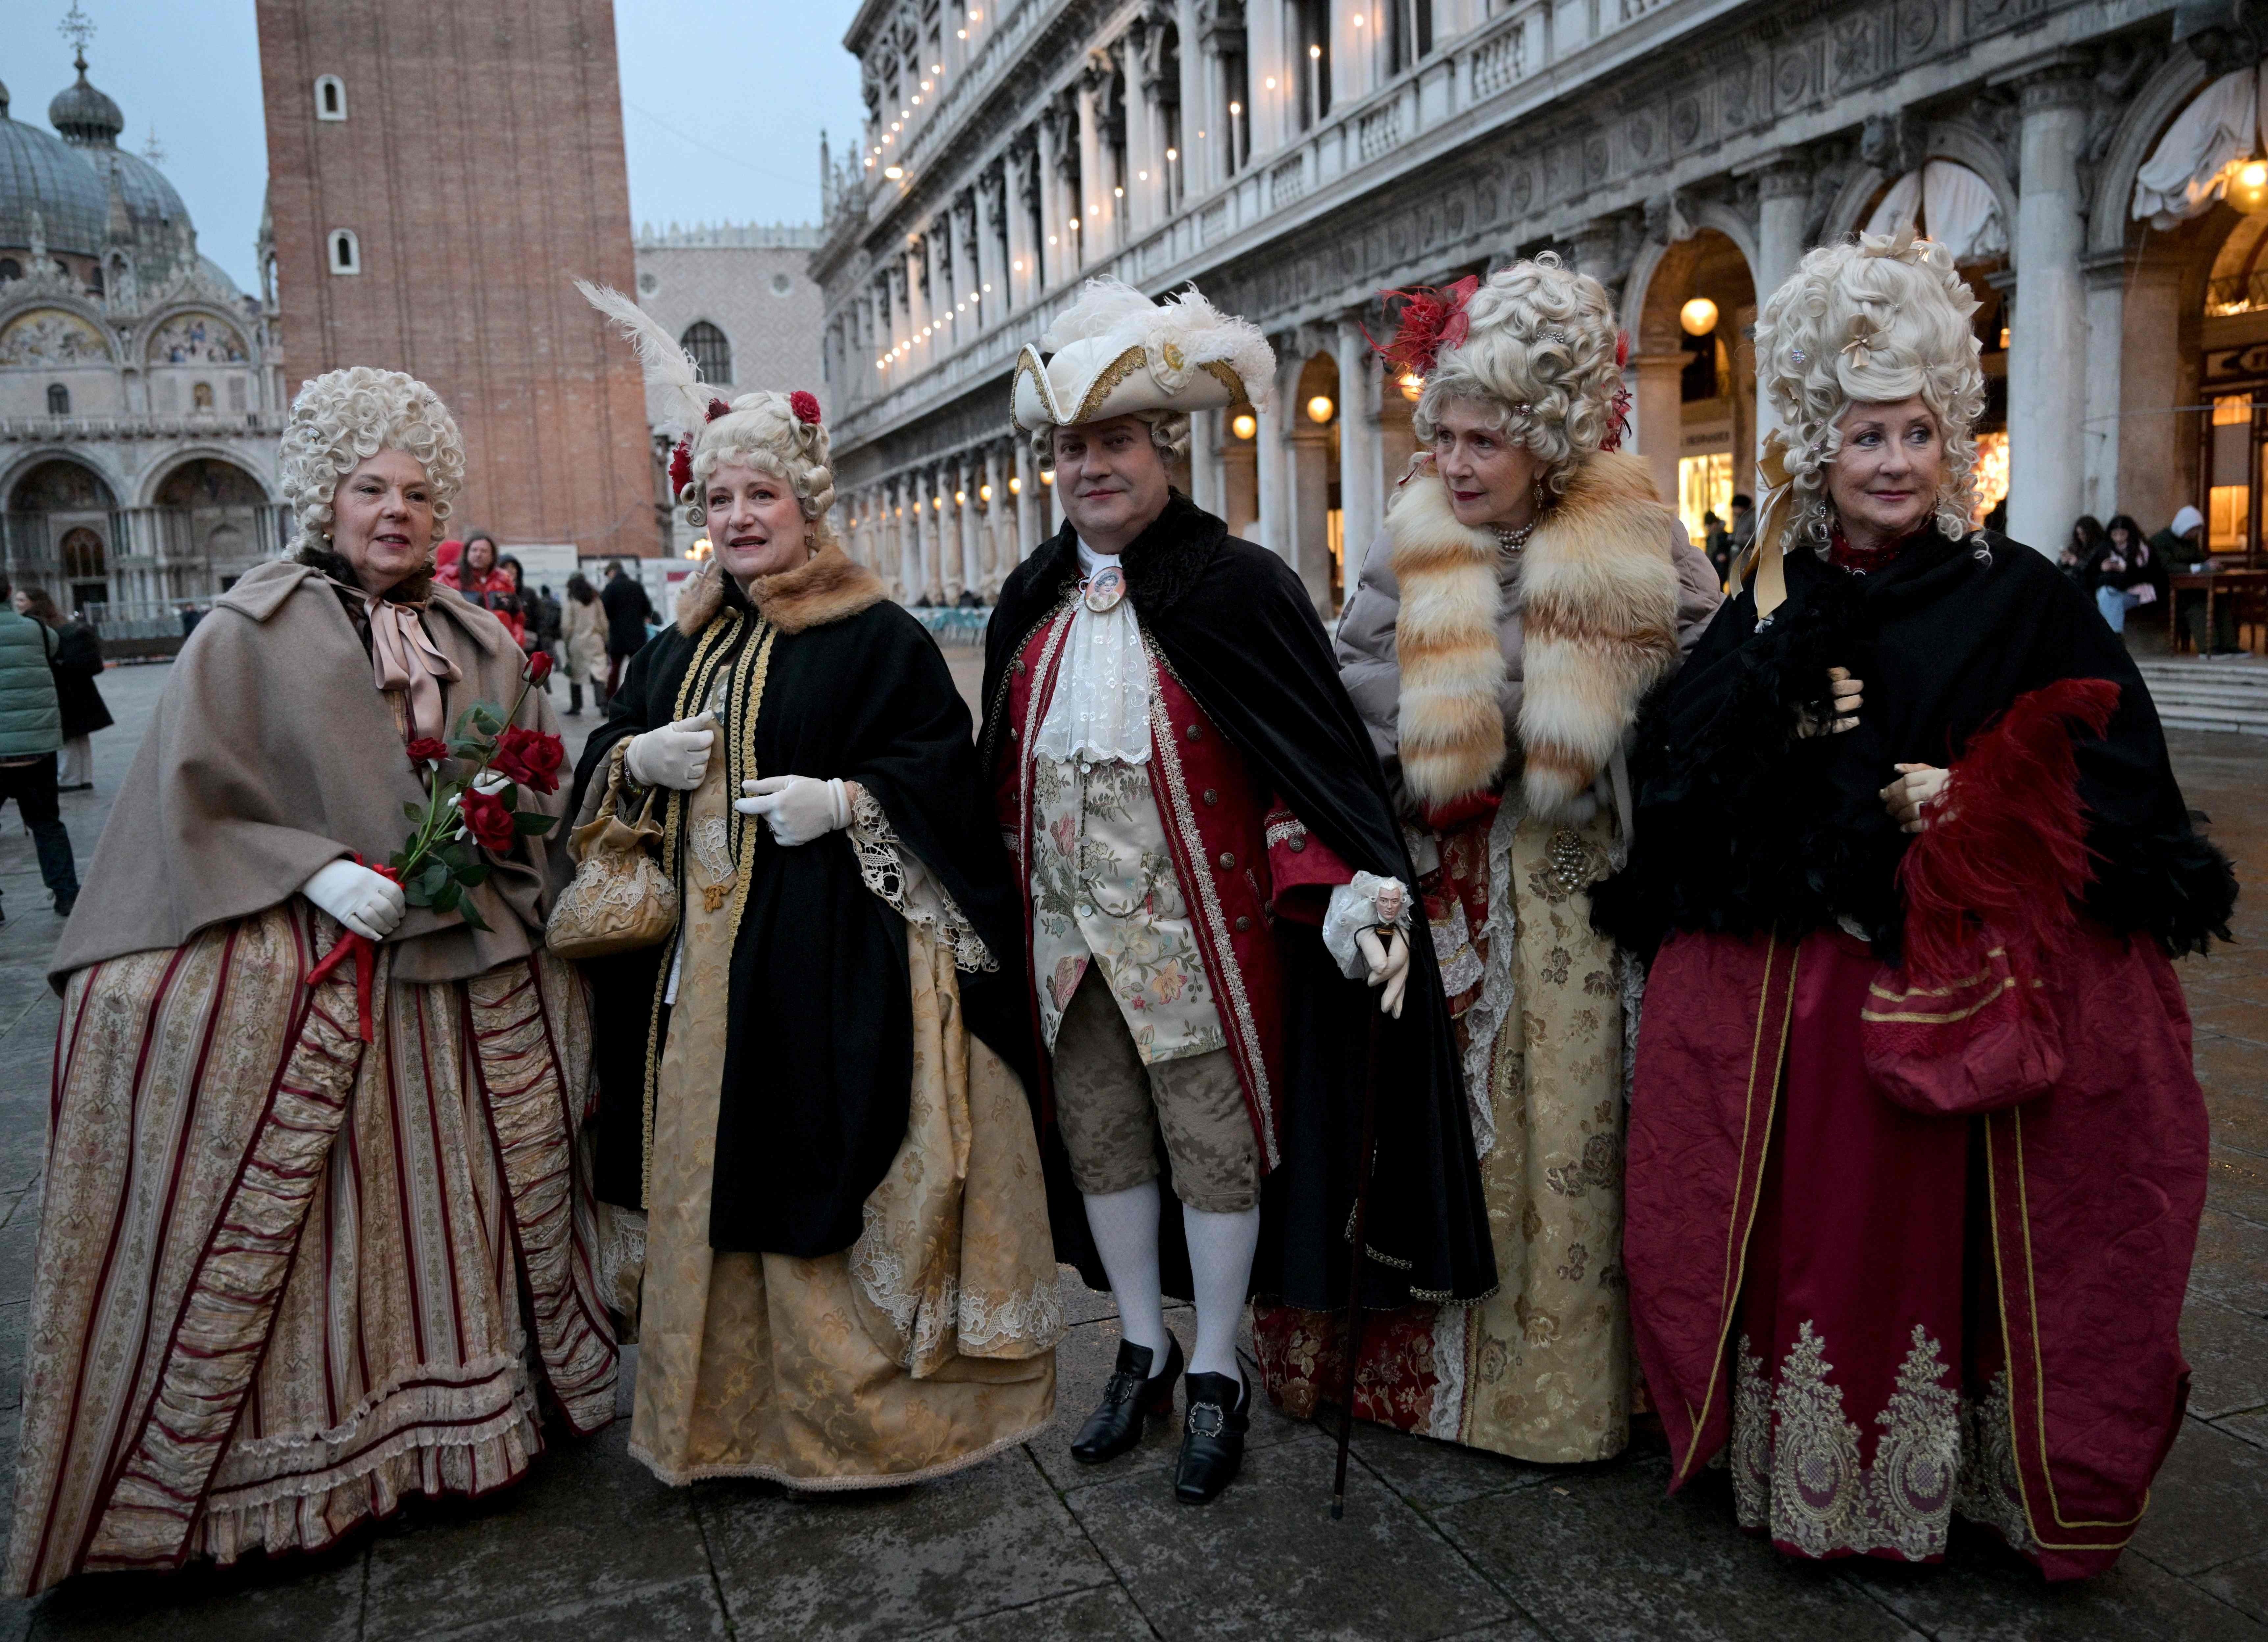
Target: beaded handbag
{"x":621,"y":898}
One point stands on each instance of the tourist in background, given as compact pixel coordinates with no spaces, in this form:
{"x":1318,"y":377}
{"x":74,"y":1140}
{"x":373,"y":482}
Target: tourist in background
{"x":1528,"y":589}
{"x":2082,"y":550}
{"x":517,"y":607}
{"x":1744,"y":522}
{"x":1717,"y":545}
{"x":368,"y":1272}
{"x":77,"y":664}
{"x":583,"y":642}
{"x":2129,"y":573}
{"x":1926,"y":1253}
{"x":484,"y":581}
{"x":30,"y":731}
{"x":545,"y":622}
{"x":2181,"y":545}
{"x":628,"y":613}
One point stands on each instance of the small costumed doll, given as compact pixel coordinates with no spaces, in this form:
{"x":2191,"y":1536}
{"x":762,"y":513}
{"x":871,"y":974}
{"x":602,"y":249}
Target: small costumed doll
{"x":1212,"y":872}
{"x":810,"y":1113}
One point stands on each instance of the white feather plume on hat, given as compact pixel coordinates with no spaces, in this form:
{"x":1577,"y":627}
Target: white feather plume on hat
{"x":667,"y":365}
{"x":1114,"y":351}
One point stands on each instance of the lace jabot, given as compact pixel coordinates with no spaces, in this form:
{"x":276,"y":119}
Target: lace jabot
{"x":1100,"y":709}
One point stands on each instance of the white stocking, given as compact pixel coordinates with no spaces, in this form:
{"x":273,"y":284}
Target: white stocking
{"x":1125,"y":1227}
{"x":1221,"y":1247}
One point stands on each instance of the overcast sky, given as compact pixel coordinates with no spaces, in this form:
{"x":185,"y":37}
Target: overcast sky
{"x":723,"y":102}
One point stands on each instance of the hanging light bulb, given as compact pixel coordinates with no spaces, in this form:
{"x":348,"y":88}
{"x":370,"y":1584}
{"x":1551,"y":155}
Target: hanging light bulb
{"x":1698,"y":317}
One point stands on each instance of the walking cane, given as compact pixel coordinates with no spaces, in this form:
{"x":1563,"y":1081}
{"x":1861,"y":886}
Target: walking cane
{"x":1363,"y":1160}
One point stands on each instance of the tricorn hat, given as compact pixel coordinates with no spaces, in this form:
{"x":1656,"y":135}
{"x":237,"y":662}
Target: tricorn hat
{"x":1113,"y":352}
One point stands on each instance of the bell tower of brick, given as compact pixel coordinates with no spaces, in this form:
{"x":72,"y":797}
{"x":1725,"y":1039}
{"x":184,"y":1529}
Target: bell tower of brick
{"x":439,"y":172}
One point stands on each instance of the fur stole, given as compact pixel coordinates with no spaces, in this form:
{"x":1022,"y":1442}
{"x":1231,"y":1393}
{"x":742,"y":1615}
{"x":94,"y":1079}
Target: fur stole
{"x":1598,"y":614}
{"x":826,"y":588}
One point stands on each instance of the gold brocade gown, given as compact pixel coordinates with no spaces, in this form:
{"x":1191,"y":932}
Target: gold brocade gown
{"x":926,"y":1346}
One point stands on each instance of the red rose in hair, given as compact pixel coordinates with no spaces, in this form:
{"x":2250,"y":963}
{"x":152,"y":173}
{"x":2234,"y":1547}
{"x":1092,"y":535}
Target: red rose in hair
{"x":719,"y":408}
{"x":529,"y":757}
{"x":680,"y":466}
{"x":805,"y":406}
{"x":539,"y":666}
{"x":488,"y":821}
{"x":426,"y":750}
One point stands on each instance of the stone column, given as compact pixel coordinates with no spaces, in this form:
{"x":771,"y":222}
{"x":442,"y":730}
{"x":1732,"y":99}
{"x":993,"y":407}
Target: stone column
{"x":1017,"y":199}
{"x":1097,"y":217}
{"x":963,"y":502}
{"x":917,"y":302}
{"x":1027,"y":499}
{"x":1267,"y":116}
{"x":1057,"y":259}
{"x":2047,"y":347}
{"x":997,"y":538}
{"x":1272,"y":457}
{"x":905,"y":560}
{"x":1197,"y":112}
{"x":2106,"y":303}
{"x":2154,"y":469}
{"x":1143,"y":58}
{"x":1660,"y":418}
{"x":1205,"y":487}
{"x":992,"y":282}
{"x":934,"y":543}
{"x":1783,"y":193}
{"x":1362,"y":451}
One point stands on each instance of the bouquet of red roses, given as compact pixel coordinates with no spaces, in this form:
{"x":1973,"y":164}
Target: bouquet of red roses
{"x":475,"y":806}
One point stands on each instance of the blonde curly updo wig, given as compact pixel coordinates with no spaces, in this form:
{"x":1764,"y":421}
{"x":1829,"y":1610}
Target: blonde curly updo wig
{"x":1540,"y":356}
{"x":1876,"y":321}
{"x":762,"y":431}
{"x":342,"y":418}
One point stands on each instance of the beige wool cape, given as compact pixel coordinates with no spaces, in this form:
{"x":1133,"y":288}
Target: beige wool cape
{"x":1500,"y":689}
{"x":290,"y":1259}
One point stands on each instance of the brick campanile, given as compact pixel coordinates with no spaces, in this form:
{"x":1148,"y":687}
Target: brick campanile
{"x":439,"y":170}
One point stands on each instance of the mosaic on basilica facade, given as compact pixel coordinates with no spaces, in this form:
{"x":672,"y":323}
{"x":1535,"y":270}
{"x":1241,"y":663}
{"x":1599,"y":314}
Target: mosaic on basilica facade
{"x":1295,"y":158}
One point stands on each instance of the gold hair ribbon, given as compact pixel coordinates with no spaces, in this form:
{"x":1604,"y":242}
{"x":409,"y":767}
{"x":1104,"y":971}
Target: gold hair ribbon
{"x":1764,"y":559}
{"x":402,"y":658}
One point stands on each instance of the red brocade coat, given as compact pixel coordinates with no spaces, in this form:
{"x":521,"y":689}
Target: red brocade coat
{"x":1241,"y":857}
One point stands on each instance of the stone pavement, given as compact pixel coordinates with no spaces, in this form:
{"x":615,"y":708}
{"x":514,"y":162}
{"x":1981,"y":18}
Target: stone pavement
{"x":1438,"y":1542}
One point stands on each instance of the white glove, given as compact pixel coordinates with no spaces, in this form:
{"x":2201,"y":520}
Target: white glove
{"x":675,"y":755}
{"x":1389,"y":967}
{"x":797,"y":808}
{"x":366,"y":902}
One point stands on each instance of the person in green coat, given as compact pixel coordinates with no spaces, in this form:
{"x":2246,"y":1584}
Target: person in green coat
{"x":30,"y":733}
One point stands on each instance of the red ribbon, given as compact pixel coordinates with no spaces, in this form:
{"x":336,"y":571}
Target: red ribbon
{"x":361,"y":949}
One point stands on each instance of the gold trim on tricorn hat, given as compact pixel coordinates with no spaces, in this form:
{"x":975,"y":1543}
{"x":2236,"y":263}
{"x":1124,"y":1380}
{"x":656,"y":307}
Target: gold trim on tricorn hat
{"x":1114,"y":352}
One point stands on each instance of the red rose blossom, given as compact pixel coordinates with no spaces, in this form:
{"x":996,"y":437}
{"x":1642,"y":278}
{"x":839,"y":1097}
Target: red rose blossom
{"x":719,"y":408}
{"x":529,"y":757}
{"x":805,"y":404}
{"x":426,"y":750}
{"x":539,"y":666}
{"x":488,"y":821}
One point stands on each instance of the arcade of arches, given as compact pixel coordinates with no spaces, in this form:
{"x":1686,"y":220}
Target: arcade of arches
{"x":208,"y":522}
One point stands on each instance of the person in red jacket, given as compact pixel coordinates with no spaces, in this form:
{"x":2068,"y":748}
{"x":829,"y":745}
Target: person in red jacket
{"x":486,"y":582}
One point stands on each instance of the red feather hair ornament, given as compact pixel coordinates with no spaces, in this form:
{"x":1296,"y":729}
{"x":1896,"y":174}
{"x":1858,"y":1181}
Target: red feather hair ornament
{"x":680,"y":466}
{"x":719,"y":408}
{"x":805,"y":406}
{"x":1434,"y":317}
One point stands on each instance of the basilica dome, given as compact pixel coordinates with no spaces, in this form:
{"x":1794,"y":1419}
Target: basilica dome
{"x":41,"y":172}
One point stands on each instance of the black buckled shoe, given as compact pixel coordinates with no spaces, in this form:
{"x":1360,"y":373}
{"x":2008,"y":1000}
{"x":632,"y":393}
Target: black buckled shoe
{"x":1212,"y":1437}
{"x":1133,"y":1394}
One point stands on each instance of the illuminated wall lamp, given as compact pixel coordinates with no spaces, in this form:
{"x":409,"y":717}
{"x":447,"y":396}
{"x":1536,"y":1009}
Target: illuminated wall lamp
{"x":1244,"y":425}
{"x":1697,"y":317}
{"x":1412,"y":386}
{"x":892,"y":172}
{"x":1320,"y":409}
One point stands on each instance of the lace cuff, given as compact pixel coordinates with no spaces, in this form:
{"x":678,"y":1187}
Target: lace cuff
{"x":896,"y":875}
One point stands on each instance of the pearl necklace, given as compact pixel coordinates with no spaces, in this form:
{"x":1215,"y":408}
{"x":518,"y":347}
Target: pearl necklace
{"x":1512,"y":540}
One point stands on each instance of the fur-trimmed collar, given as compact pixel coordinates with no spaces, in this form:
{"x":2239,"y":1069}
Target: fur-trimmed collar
{"x":413,"y":589}
{"x":1161,"y":564}
{"x":826,"y":588}
{"x":1598,"y":610}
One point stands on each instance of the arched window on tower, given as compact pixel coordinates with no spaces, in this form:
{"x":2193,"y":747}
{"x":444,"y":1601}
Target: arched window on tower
{"x":330,"y":97}
{"x":346,"y":251}
{"x":711,"y":351}
{"x":58,"y":400}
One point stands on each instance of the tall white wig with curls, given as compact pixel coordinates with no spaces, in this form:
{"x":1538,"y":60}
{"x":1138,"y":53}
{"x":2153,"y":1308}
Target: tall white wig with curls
{"x":1541,"y":354}
{"x":1876,"y":321}
{"x":342,"y":418}
{"x":780,"y":434}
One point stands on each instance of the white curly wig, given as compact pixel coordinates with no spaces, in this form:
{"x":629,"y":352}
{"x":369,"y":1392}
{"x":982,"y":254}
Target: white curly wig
{"x":1876,"y":321}
{"x":1541,"y":357}
{"x":762,"y":431}
{"x":342,"y":418}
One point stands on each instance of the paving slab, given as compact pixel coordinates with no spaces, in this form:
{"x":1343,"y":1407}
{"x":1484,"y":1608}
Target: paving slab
{"x":1265,"y":1560}
{"x":1431,"y":1475}
{"x":2252,"y":1426}
{"x":296,"y":1598}
{"x":2231,"y":1264}
{"x":2229,"y":1359}
{"x":892,"y":1562}
{"x":2236,"y":1098}
{"x":2209,"y":1502}
{"x":1105,"y":1614}
{"x":2237,"y":1182}
{"x":687,"y":1609}
{"x":587,"y":1525}
{"x":1983,"y":1592}
{"x":1602,"y":1553}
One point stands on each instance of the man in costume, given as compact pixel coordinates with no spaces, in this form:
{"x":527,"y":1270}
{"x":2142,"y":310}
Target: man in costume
{"x":1212,"y":875}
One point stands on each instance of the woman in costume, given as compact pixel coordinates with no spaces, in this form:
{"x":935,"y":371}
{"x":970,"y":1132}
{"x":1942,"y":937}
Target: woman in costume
{"x":815,"y":1120}
{"x":1528,"y":590}
{"x":296,"y":1227}
{"x":1916,"y":1153}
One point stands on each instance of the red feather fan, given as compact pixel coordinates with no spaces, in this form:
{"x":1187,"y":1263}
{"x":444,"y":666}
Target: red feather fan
{"x":2007,"y":849}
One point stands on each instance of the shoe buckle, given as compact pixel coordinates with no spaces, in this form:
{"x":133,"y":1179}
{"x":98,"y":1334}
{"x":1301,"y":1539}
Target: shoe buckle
{"x":1123,"y":1387}
{"x":1208,"y":1419}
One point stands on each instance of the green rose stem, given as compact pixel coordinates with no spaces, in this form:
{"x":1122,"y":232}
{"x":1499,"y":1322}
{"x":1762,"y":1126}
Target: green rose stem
{"x":441,"y":861}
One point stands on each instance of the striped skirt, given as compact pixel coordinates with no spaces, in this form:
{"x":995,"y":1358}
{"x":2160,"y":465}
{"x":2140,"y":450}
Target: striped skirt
{"x":282,"y":1273}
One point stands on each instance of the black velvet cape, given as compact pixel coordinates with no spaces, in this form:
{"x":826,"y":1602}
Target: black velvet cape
{"x":1241,"y":633}
{"x":818,"y":1062}
{"x":1743,"y":827}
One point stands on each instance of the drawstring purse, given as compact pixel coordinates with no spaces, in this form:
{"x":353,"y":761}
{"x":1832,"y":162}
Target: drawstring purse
{"x":621,"y":898}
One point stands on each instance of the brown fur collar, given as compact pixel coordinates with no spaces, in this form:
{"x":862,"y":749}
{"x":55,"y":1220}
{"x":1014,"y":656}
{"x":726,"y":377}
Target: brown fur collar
{"x":1599,"y":620}
{"x":826,"y":588}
